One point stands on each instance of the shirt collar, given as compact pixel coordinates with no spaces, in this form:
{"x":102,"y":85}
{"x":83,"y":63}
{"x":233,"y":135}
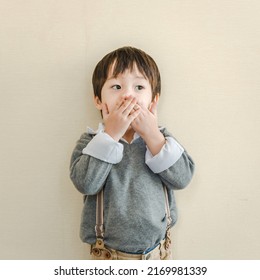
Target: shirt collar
{"x":101,"y":129}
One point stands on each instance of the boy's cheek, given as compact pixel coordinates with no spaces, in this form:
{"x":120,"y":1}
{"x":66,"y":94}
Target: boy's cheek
{"x":111,"y":106}
{"x":144,"y":105}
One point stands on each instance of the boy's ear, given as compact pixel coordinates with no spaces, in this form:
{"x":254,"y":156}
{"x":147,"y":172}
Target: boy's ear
{"x":156,"y":98}
{"x":154,"y":102}
{"x":97,"y":103}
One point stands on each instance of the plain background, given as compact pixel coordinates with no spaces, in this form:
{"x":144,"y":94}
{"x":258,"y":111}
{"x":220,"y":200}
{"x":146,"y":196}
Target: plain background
{"x":208,"y":53}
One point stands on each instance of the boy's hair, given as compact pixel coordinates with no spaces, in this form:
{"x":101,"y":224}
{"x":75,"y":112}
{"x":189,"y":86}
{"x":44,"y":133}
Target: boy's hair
{"x":125,"y":58}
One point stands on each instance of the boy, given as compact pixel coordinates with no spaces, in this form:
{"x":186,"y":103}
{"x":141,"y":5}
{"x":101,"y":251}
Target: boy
{"x":129,"y":167}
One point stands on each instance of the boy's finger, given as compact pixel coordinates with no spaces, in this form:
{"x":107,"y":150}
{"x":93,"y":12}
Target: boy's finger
{"x":119,"y":103}
{"x":134,"y":114}
{"x":130,"y":106}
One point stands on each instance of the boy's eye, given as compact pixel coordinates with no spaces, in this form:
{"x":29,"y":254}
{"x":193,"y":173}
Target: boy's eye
{"x":139,"y":87}
{"x":117,"y":87}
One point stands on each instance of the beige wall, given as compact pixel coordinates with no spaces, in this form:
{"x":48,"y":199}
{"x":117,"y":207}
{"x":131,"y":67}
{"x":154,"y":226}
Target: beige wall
{"x":208,"y":54}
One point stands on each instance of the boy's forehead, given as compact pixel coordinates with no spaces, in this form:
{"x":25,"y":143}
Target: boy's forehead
{"x":134,"y":70}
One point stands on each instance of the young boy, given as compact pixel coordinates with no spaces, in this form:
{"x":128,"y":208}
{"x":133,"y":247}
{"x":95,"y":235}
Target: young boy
{"x":129,"y":167}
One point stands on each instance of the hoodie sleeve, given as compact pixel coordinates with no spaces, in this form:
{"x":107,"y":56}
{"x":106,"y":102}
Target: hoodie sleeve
{"x":90,"y":166}
{"x":173,"y":164}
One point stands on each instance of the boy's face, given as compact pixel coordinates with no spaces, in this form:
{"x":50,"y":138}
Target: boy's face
{"x":125,"y":85}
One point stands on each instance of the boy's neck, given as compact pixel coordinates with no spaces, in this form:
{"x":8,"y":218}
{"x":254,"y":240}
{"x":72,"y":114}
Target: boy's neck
{"x":129,"y":135}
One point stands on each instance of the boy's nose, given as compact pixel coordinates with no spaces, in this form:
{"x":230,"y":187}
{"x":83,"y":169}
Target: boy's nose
{"x":128,"y":96}
{"x":129,"y":93}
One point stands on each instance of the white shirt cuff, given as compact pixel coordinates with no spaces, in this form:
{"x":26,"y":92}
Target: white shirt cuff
{"x":169,"y":154}
{"x":105,"y":148}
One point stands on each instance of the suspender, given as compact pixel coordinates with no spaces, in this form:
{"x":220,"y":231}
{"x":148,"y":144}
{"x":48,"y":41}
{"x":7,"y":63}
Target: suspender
{"x":167,"y":208}
{"x":99,"y":228}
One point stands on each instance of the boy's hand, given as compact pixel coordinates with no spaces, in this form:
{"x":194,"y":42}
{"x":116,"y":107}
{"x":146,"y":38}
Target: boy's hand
{"x":145,"y":124}
{"x":119,"y":119}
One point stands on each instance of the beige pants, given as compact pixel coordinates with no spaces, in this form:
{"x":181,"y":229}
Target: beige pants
{"x":105,"y":253}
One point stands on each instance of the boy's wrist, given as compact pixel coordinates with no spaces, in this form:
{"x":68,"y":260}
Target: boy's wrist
{"x":155,"y":142}
{"x":113,"y":135}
